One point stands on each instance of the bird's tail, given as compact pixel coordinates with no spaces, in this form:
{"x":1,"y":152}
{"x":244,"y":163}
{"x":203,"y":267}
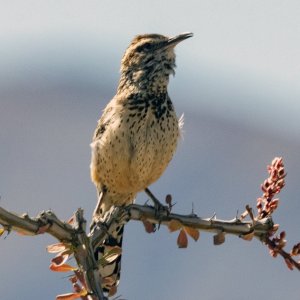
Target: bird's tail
{"x":108,"y":254}
{"x":110,"y":268}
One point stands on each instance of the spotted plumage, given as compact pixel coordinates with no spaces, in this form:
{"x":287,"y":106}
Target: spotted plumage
{"x":137,"y":133}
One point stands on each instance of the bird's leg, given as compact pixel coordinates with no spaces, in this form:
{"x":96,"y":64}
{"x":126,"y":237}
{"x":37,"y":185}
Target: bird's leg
{"x":159,"y":207}
{"x":96,"y":213}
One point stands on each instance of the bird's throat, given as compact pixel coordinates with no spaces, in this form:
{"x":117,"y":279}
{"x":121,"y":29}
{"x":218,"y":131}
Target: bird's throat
{"x":144,"y":80}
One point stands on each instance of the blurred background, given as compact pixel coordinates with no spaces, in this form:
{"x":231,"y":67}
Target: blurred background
{"x":237,"y":83}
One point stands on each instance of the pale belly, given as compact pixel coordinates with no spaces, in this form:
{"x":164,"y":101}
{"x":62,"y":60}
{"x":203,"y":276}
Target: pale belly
{"x":132,"y":155}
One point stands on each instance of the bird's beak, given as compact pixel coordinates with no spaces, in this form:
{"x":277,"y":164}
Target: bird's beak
{"x":172,"y":42}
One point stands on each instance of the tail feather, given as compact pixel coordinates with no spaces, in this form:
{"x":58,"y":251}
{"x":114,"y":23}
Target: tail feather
{"x":110,"y":272}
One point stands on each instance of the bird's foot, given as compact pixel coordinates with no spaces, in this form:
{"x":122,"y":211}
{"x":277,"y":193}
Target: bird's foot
{"x":160,"y":209}
{"x":94,"y":222}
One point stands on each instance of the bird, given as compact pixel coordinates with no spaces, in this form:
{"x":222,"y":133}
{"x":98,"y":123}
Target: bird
{"x":136,"y":136}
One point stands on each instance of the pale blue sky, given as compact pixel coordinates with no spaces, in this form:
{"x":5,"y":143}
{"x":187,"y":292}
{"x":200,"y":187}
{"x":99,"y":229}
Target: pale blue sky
{"x":249,"y":47}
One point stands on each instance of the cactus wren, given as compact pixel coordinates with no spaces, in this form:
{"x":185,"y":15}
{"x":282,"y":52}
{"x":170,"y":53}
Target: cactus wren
{"x":137,"y":133}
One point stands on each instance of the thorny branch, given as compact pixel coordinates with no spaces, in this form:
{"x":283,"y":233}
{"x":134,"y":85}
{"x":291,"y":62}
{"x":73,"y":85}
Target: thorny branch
{"x":259,"y":228}
{"x":74,"y":240}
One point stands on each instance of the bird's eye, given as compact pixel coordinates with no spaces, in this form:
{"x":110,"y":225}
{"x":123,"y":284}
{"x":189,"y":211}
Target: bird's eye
{"x":144,"y":47}
{"x":147,"y":46}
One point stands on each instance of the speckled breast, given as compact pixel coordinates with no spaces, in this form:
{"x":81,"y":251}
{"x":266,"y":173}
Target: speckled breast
{"x":137,"y":147}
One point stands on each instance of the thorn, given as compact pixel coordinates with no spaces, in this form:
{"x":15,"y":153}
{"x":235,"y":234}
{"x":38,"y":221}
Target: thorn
{"x":172,"y":205}
{"x":250,"y":212}
{"x":158,"y":225}
{"x":213,"y":216}
{"x":8,"y":229}
{"x":118,"y":298}
{"x":236,"y":216}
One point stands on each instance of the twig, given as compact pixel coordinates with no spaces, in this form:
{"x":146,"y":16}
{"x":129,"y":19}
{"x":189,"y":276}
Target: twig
{"x":259,"y":228}
{"x":46,"y":221}
{"x":287,"y":256}
{"x":75,"y":235}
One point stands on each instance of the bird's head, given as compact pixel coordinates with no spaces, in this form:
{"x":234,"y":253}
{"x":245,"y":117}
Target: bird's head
{"x":150,"y":56}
